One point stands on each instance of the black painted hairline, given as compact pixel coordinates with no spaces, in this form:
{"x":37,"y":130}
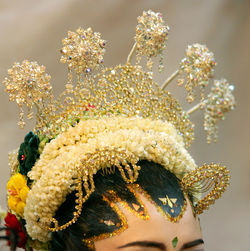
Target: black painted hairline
{"x":155,"y":179}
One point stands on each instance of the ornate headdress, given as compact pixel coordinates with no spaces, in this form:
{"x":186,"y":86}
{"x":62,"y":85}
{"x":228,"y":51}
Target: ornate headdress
{"x":109,"y":117}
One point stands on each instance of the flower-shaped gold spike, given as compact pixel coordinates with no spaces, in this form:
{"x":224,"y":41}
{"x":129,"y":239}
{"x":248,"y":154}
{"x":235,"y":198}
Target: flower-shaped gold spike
{"x":219,"y":101}
{"x":151,"y":37}
{"x":195,"y":70}
{"x":29,"y":85}
{"x":83,"y":51}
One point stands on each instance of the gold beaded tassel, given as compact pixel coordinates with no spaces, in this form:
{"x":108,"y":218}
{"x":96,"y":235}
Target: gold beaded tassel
{"x":79,"y":202}
{"x":219,"y":101}
{"x":150,"y":39}
{"x":106,"y":159}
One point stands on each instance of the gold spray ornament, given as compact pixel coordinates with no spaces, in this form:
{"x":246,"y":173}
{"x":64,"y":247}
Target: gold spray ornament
{"x":194,"y":71}
{"x":219,"y":102}
{"x":151,"y":37}
{"x":83,"y":50}
{"x":29,"y":85}
{"x":197,"y":67}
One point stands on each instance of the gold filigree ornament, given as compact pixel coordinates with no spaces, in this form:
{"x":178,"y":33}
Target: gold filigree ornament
{"x":210,"y":179}
{"x":109,"y":118}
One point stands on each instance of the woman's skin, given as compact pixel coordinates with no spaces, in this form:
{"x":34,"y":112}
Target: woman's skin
{"x":155,"y":234}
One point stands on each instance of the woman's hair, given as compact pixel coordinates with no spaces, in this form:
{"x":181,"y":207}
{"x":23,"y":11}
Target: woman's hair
{"x":11,"y":237}
{"x":153,"y":179}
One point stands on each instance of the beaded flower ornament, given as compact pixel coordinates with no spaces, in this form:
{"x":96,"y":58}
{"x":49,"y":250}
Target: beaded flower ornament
{"x":106,"y":118}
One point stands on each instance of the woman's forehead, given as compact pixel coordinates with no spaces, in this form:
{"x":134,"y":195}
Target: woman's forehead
{"x":156,"y":228}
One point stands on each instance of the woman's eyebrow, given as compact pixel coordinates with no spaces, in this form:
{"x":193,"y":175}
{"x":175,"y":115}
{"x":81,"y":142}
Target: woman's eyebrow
{"x":192,"y":244}
{"x":151,"y":244}
{"x":160,"y":245}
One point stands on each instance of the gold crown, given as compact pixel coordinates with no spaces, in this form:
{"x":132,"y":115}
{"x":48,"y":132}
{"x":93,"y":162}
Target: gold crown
{"x":113,"y":116}
{"x":124,"y":89}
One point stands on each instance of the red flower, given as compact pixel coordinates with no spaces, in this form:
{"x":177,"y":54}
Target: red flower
{"x":12,"y":222}
{"x":90,"y":106}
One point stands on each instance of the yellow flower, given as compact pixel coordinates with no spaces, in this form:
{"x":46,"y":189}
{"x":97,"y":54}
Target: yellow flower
{"x":24,"y":192}
{"x":20,"y":208}
{"x":12,"y":202}
{"x":18,"y":191}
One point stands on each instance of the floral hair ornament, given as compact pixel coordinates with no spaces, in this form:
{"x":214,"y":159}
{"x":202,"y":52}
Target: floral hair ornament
{"x":106,"y":118}
{"x":13,"y":224}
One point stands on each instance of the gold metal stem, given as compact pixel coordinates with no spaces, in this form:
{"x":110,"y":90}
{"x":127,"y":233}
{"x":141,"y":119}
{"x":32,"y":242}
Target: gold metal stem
{"x":169,"y":79}
{"x":130,"y":55}
{"x":194,"y":108}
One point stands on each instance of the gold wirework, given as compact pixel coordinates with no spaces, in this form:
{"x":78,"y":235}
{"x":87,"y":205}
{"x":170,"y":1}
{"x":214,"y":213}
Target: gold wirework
{"x":213,"y":178}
